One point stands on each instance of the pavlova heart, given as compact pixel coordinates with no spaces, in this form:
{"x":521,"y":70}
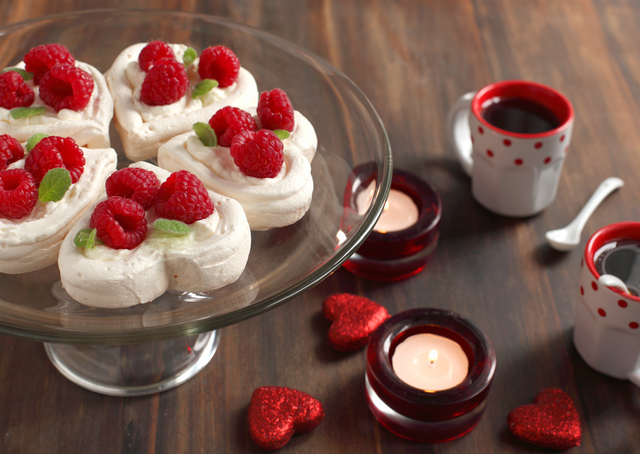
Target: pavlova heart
{"x":276,"y":413}
{"x":551,"y":421}
{"x":354,"y":319}
{"x":52,"y":93}
{"x":160,"y":90}
{"x":151,"y":232}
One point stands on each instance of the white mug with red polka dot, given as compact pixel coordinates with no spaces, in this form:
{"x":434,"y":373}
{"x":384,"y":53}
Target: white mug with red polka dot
{"x":606,"y":332}
{"x":513,"y":173}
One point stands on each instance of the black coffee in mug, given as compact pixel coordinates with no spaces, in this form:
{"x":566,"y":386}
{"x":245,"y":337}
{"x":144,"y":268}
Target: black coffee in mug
{"x":520,"y":115}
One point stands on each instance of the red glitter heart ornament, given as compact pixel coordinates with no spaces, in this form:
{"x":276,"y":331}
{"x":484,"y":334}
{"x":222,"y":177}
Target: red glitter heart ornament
{"x":551,"y":421}
{"x":354,"y":319}
{"x":276,"y":413}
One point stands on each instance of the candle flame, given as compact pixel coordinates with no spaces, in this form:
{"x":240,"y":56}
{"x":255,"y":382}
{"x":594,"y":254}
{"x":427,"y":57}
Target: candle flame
{"x":433,"y":355}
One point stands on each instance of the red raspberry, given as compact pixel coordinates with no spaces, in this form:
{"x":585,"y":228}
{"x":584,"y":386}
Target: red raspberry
{"x":18,"y":193}
{"x":153,"y":52}
{"x":183,"y":197}
{"x":14,"y":92}
{"x":219,"y":63}
{"x":52,"y":152}
{"x":10,"y":151}
{"x":258,"y":154}
{"x":41,"y":59}
{"x":133,"y":183}
{"x":275,"y":110}
{"x":229,"y":121}
{"x":165,"y":83}
{"x":120,"y":222}
{"x":66,"y":87}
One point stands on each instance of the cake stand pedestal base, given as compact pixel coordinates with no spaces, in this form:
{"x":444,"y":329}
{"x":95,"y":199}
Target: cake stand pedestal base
{"x":136,"y":369}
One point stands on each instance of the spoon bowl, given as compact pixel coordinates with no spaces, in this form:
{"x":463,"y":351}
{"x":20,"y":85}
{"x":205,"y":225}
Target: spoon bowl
{"x":562,"y":239}
{"x":609,"y":280}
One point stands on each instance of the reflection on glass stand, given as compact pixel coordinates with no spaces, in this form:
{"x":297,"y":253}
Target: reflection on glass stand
{"x":136,"y":369}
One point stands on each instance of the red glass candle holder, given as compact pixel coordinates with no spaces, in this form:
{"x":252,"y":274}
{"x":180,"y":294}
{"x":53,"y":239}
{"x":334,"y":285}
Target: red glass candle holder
{"x":429,"y":417}
{"x":392,"y":256}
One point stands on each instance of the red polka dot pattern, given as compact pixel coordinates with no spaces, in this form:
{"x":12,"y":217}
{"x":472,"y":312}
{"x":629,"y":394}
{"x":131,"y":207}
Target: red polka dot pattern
{"x":480,"y":130}
{"x":594,"y":286}
{"x":518,"y":162}
{"x":538,"y":145}
{"x":562,"y":138}
{"x":622,"y":303}
{"x":581,"y":290}
{"x":602,"y":313}
{"x":490,"y":153}
{"x":506,"y":142}
{"x":566,"y":150}
{"x":547,"y":160}
{"x":633,"y":325}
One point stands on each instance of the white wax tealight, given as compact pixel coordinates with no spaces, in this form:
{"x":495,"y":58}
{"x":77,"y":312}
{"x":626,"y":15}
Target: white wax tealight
{"x":430,"y":362}
{"x":399,"y":212}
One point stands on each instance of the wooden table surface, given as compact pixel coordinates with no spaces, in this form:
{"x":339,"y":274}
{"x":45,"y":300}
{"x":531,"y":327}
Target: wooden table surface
{"x":412,"y":59}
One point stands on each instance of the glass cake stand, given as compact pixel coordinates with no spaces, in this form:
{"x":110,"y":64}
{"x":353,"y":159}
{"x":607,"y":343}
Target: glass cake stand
{"x":156,"y":346}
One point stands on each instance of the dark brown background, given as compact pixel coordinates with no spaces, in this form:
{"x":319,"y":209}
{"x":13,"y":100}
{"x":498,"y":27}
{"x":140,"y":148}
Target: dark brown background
{"x":412,"y":59}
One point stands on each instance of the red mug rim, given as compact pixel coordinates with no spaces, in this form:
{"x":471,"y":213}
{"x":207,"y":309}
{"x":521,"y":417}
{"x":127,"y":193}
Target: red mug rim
{"x":612,"y":232}
{"x":547,"y":96}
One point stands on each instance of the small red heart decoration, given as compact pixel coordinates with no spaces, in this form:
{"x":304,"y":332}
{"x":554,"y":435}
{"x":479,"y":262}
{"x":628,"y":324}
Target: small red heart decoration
{"x":276,"y":413}
{"x":354,"y":319}
{"x":551,"y":421}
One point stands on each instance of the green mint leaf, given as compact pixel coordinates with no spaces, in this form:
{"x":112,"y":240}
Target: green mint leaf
{"x":85,"y":238}
{"x":54,"y":185}
{"x":33,"y":140}
{"x":189,"y":56}
{"x":172,"y":227}
{"x":25,"y":74}
{"x":282,"y":133}
{"x":206,"y":134}
{"x":204,"y":87}
{"x":26,"y":112}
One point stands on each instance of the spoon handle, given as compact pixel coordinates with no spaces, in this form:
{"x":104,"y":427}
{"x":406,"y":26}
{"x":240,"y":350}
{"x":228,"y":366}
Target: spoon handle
{"x":606,"y":187}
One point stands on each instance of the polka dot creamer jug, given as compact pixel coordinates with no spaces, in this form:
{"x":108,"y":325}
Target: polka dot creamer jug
{"x":503,"y":140}
{"x":607,"y":324}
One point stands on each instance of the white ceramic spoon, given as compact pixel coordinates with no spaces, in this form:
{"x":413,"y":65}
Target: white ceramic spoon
{"x":569,"y":237}
{"x":609,"y":280}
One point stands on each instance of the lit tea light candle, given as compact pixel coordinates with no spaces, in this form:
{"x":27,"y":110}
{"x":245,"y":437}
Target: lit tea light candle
{"x":400,"y":211}
{"x":428,"y":374}
{"x":405,"y":235}
{"x":430,"y":362}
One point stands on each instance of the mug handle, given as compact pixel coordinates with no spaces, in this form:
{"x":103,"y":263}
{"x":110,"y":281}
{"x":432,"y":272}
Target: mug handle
{"x":458,"y":130}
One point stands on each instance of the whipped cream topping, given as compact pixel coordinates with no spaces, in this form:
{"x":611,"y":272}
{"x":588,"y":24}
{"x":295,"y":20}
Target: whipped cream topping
{"x":212,"y":256}
{"x":144,"y":128}
{"x":136,"y":76}
{"x":89,"y":127}
{"x":268,"y":202}
{"x":303,"y":138}
{"x":33,"y":242}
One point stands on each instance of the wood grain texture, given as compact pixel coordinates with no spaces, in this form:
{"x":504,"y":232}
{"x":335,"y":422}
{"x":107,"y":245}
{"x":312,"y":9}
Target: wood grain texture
{"x":412,"y":59}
